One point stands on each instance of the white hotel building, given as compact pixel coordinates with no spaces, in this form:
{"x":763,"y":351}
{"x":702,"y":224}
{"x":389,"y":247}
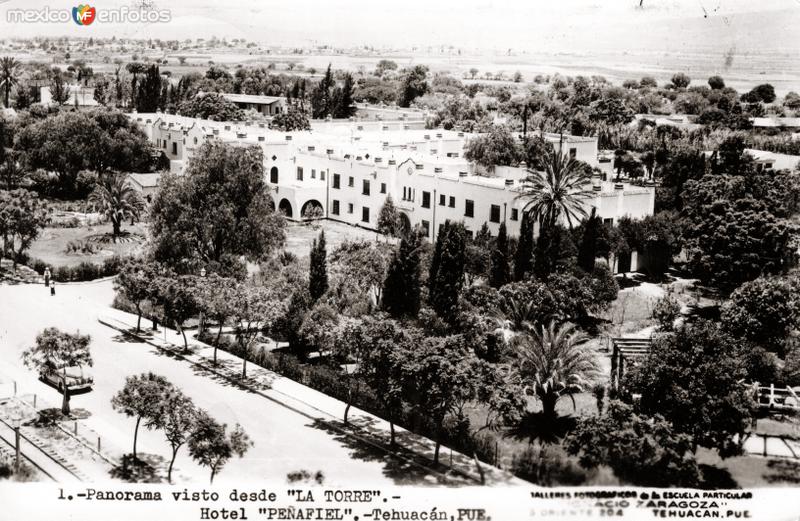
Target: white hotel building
{"x":349,"y":168}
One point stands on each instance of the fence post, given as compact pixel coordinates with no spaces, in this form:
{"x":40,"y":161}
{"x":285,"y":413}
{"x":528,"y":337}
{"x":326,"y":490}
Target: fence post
{"x":765,"y":445}
{"x":98,"y":444}
{"x":75,"y":428}
{"x":15,"y":387}
{"x":34,"y":400}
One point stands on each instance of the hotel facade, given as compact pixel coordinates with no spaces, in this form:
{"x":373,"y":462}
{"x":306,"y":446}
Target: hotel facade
{"x":347,"y":169}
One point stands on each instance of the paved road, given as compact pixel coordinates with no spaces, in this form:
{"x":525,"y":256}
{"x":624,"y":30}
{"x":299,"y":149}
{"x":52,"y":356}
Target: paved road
{"x":284,"y":440}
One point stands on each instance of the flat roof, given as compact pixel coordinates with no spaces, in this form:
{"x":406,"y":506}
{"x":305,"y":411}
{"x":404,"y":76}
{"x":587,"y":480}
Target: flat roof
{"x":251,"y":98}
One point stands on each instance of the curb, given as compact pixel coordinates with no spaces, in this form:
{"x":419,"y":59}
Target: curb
{"x":347,"y":432}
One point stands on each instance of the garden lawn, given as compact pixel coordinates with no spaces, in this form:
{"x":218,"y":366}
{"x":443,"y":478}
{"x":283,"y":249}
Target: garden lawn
{"x":299,"y":236}
{"x":51,"y":246}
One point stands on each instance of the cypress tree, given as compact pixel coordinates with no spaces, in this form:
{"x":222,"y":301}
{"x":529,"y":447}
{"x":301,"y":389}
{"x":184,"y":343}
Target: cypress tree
{"x":401,"y":289}
{"x":588,"y":247}
{"x":447,"y":271}
{"x":318,"y":268}
{"x":523,"y":257}
{"x":500,"y":273}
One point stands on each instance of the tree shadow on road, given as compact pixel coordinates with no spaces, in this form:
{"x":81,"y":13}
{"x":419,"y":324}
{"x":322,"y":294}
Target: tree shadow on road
{"x":142,"y":469}
{"x":403,"y":471}
{"x":716,"y":478}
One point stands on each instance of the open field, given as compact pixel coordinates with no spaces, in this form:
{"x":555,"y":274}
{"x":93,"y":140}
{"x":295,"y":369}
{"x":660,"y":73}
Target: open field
{"x":51,"y":246}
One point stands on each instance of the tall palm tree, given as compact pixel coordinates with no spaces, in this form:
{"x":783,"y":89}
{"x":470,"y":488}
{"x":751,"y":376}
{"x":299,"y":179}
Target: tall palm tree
{"x":555,"y":361}
{"x":9,"y":72}
{"x":561,"y":190}
{"x":117,"y":200}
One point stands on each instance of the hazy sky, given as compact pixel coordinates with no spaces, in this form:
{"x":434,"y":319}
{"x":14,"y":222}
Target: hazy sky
{"x":559,"y":25}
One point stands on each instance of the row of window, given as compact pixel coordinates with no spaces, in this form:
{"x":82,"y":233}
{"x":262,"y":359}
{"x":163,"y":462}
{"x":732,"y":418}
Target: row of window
{"x":336,"y":210}
{"x":313,"y":174}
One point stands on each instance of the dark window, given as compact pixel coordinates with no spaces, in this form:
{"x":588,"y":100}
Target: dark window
{"x":609,"y":221}
{"x":349,"y":207}
{"x":426,"y":199}
{"x":273,"y":175}
{"x":322,"y":174}
{"x":426,"y":228}
{"x":174,"y":148}
{"x":336,"y":180}
{"x":494,"y":213}
{"x":573,"y":152}
{"x":442,"y":199}
{"x":299,"y":173}
{"x":351,"y":182}
{"x":514,"y":214}
{"x":313,"y":174}
{"x":365,"y":190}
{"x":383,"y":188}
{"x":365,"y":214}
{"x":452,"y":202}
{"x":469,"y":208}
{"x":335,"y":207}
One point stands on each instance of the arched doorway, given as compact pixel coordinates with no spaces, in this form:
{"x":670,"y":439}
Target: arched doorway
{"x":286,"y":208}
{"x":273,"y":175}
{"x":405,"y":224}
{"x":312,"y":209}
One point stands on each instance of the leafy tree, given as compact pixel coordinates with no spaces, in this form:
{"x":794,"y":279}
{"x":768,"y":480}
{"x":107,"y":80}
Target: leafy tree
{"x":446,"y":276}
{"x":524,"y":303}
{"x":140,"y":398}
{"x":69,"y":142}
{"x":9,"y":76}
{"x":256,"y":310}
{"x":11,"y":171}
{"x":177,"y":296}
{"x":554,"y":362}
{"x":22,"y":216}
{"x":59,"y":90}
{"x":764,"y":93}
{"x":497,"y":148}
{"x":640,"y":450}
{"x":383,"y":343}
{"x":54,"y":352}
{"x":692,"y":378}
{"x":134,"y":282}
{"x":318,"y":268}
{"x":401,"y":289}
{"x":558,"y":192}
{"x":177,"y":417}
{"x":680,"y":80}
{"x":414,"y":84}
{"x":500,"y":271}
{"x":385,"y":65}
{"x":116,"y":200}
{"x":293,"y":119}
{"x":730,"y":236}
{"x":389,"y":218}
{"x":716,"y":82}
{"x":212,"y":446}
{"x":218,"y":300}
{"x":219,"y":207}
{"x":555,"y":251}
{"x":665,"y":311}
{"x":211,"y":106}
{"x":439,"y":379}
{"x":363,"y":264}
{"x":764,"y":311}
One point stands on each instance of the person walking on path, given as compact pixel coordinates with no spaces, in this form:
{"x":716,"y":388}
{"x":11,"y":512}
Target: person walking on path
{"x":53,"y":289}
{"x":46,"y":277}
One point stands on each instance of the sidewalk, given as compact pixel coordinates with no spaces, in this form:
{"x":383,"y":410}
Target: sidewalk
{"x":365,"y":427}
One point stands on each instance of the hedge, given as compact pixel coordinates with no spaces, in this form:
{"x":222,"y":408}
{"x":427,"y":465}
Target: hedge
{"x":85,"y":271}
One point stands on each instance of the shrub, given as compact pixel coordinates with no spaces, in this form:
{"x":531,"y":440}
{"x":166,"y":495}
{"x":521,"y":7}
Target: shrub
{"x":548,"y":466}
{"x":665,"y":311}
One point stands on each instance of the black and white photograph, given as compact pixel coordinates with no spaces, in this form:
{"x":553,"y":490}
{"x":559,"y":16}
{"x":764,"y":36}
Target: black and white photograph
{"x":463,"y":260}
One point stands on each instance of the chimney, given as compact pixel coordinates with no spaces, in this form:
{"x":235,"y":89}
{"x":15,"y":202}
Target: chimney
{"x":619,"y":186}
{"x":597,"y":188}
{"x":216,"y":131}
{"x":241,"y":135}
{"x":311,"y":148}
{"x":378,"y":159}
{"x":392,"y":162}
{"x":262,"y":138}
{"x":288,"y":138}
{"x":509,"y":182}
{"x":463,"y":174}
{"x":329,"y":151}
{"x":420,"y":167}
{"x":437,"y":170}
